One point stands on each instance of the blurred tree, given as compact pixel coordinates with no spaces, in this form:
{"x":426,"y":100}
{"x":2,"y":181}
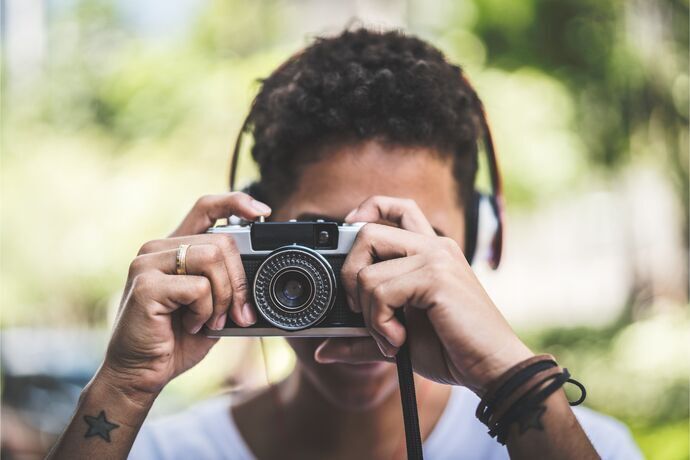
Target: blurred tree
{"x":237,"y":28}
{"x":626,"y":63}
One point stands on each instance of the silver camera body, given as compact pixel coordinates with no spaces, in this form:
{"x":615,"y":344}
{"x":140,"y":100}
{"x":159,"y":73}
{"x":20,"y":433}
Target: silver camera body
{"x":293,"y":278}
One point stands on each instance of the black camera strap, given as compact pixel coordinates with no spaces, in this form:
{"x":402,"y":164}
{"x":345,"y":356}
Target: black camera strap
{"x":408,"y":398}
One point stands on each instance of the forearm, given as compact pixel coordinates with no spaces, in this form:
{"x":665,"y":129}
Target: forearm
{"x":550,"y":432}
{"x":105,"y":423}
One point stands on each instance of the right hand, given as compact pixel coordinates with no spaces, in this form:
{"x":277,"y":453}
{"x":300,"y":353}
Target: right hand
{"x":156,"y":335}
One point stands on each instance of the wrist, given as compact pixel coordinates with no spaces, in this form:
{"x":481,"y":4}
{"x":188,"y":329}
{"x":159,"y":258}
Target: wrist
{"x":114,"y":384}
{"x":491,"y":368}
{"x":105,"y":423}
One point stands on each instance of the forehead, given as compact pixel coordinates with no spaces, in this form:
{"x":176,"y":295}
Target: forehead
{"x":345,"y":176}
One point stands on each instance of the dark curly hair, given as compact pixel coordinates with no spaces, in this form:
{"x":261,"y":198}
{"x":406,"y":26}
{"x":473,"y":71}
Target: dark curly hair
{"x":357,"y":86}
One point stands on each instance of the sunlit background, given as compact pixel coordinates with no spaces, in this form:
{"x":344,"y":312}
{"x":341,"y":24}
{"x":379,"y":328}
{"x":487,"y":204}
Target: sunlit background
{"x":118,"y":114}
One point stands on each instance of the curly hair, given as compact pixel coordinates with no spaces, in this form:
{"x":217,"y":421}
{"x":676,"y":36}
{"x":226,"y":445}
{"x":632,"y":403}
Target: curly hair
{"x":363,"y":85}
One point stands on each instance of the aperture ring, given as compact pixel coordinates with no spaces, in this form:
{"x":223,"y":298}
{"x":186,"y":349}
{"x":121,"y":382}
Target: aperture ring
{"x":307,"y":261}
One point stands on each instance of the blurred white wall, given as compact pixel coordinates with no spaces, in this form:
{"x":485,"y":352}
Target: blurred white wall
{"x":23,"y":39}
{"x":578,"y":260}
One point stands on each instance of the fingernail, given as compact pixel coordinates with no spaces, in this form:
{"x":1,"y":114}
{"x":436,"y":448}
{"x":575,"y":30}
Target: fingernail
{"x":248,"y":314}
{"x":220,"y":322}
{"x":385,"y":349}
{"x":320,"y":356}
{"x":324,"y":359}
{"x":196,"y":329}
{"x":260,"y":207}
{"x":350,"y":214}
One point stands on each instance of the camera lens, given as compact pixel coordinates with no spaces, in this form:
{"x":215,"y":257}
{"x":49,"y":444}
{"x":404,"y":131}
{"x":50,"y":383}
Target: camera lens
{"x":292,"y":289}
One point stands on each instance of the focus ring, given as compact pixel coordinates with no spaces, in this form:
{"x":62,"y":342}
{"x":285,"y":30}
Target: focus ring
{"x":307,"y":261}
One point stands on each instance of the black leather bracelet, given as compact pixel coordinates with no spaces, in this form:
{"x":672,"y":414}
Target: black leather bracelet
{"x":519,"y":379}
{"x":520,"y":392}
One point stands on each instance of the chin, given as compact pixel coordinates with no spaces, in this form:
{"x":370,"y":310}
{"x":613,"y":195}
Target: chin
{"x":349,"y":387}
{"x":353,"y":387}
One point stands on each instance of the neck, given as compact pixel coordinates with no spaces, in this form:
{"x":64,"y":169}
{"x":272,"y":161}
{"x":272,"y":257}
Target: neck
{"x":308,"y":417}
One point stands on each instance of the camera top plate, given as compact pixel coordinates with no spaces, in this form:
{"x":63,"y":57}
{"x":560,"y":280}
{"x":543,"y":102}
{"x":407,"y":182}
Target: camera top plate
{"x":261,"y":238}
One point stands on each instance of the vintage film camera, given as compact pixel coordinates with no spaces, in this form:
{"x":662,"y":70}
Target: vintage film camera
{"x":293,"y":276}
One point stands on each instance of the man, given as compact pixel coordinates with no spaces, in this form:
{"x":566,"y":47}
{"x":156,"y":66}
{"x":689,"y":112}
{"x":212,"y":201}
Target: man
{"x":365,"y":126}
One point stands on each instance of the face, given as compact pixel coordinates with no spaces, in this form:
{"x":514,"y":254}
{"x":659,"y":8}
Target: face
{"x":333,"y":186}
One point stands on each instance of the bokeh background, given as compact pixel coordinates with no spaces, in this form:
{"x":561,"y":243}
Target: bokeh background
{"x":118,"y":114}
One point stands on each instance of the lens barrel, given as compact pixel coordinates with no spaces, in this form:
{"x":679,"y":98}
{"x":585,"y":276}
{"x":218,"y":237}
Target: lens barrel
{"x":294,"y":288}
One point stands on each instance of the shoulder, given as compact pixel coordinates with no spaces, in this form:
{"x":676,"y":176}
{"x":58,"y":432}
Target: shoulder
{"x":611,"y":438}
{"x":205,"y":430}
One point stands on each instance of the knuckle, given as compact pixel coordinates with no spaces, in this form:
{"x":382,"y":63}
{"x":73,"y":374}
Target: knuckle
{"x":143,"y":286}
{"x":226,"y":243}
{"x":449,"y":244}
{"x":204,"y":202}
{"x":236,"y":199}
{"x":364,"y":277}
{"x":347,"y":276}
{"x":376,"y":199}
{"x":241,"y":283}
{"x":203,"y":287}
{"x":367,"y":231}
{"x":438,"y":267}
{"x":443,"y":255}
{"x":136,"y":267}
{"x":211,"y":253}
{"x":239,"y":196}
{"x":379,"y":294}
{"x":148,"y":247}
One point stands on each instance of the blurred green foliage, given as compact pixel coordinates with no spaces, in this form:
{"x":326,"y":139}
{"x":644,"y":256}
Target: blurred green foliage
{"x":637,"y":372}
{"x":624,"y":62}
{"x":575,"y":89}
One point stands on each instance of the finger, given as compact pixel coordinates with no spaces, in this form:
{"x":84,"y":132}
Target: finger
{"x":173,"y":292}
{"x":356,"y":350}
{"x":241,"y":312}
{"x":372,"y":275}
{"x":375,"y":243}
{"x":209,"y":208}
{"x":203,"y":260}
{"x":401,"y":212}
{"x":369,"y":278}
{"x":409,"y":290}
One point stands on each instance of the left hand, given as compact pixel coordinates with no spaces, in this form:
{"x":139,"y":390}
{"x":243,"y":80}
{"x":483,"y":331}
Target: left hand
{"x":457,"y":335}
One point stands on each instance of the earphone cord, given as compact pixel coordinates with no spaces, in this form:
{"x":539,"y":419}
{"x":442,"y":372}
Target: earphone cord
{"x":408,"y":398}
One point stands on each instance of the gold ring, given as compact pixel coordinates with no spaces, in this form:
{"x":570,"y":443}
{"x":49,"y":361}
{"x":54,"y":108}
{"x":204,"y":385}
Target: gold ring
{"x":181,"y":259}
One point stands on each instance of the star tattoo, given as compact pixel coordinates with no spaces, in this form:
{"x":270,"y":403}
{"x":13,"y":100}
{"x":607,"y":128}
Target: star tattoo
{"x":99,"y":426}
{"x":532,"y":419}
